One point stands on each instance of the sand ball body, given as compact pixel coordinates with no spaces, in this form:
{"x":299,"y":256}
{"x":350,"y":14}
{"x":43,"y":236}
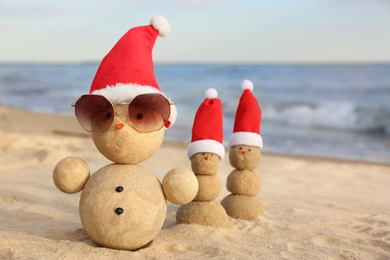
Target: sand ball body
{"x":242,"y":207}
{"x":243,"y":182}
{"x":207,"y":213}
{"x":122,"y":206}
{"x":209,"y":187}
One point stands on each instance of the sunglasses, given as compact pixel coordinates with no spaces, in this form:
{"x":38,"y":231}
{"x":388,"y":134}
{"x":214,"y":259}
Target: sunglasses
{"x":147,"y":112}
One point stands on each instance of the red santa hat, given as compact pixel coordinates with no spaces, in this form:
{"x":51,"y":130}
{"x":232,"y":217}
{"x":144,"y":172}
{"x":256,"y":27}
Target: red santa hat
{"x":247,"y":122}
{"x":127,"y":70}
{"x":207,"y":131}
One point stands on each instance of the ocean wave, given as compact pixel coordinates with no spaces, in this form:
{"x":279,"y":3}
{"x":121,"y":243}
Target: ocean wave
{"x":331,"y":115}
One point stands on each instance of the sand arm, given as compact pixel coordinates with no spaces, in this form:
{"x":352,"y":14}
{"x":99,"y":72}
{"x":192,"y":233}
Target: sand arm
{"x":70,"y":175}
{"x":180,"y":186}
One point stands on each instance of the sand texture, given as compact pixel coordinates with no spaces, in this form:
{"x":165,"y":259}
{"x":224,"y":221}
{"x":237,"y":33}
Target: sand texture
{"x":313,"y":208}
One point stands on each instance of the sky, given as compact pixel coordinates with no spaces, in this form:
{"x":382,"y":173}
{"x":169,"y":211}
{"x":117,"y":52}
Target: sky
{"x":216,"y":31}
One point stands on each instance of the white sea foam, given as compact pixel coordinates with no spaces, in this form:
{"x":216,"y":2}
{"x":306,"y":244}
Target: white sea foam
{"x":332,"y":115}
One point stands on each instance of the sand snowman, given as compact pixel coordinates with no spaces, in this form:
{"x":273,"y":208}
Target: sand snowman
{"x":123,"y":205}
{"x":245,"y":154}
{"x":205,"y":152}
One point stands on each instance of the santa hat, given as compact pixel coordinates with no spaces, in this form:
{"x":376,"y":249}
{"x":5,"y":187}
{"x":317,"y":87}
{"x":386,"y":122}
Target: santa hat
{"x":247,"y":122}
{"x":127,"y":70}
{"x":207,"y":131}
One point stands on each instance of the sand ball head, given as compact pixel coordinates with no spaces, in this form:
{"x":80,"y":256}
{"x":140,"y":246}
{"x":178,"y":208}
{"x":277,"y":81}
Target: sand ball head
{"x":122,"y":143}
{"x":205,"y":163}
{"x":244,"y":157}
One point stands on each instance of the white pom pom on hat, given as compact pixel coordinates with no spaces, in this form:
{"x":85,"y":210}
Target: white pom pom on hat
{"x":161,"y":24}
{"x":211,"y":93}
{"x":247,"y":84}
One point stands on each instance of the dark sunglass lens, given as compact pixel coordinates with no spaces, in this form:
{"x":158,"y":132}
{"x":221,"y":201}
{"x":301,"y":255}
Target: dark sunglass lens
{"x":95,"y":113}
{"x":149,"y":112}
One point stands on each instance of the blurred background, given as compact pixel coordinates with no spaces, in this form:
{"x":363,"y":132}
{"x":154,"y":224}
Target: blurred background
{"x":320,"y":68}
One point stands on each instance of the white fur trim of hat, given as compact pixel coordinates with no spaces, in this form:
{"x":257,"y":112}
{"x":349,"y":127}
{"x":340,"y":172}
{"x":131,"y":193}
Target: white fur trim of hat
{"x":245,"y":138}
{"x":206,"y":146}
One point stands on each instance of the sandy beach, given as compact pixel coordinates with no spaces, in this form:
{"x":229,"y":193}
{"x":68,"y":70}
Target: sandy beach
{"x":314,"y":208}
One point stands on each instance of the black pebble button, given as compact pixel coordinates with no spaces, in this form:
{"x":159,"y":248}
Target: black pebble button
{"x":119,"y":189}
{"x":119,"y":211}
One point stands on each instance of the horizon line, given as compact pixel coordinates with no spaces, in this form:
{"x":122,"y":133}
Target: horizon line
{"x":206,"y":62}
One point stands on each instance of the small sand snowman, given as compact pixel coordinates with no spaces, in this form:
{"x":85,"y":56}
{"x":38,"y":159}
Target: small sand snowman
{"x":205,"y":151}
{"x":123,"y":205}
{"x":245,"y":154}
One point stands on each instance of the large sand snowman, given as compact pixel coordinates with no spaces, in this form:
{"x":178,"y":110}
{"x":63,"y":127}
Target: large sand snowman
{"x":123,"y":205}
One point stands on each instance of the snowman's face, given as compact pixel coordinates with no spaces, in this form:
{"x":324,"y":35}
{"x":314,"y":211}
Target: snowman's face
{"x":244,"y":157}
{"x":122,"y":143}
{"x":205,"y":163}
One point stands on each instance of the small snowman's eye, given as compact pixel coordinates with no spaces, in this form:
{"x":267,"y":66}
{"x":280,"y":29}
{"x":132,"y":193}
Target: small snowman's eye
{"x":140,"y":116}
{"x":204,"y":154}
{"x":109,"y":115}
{"x":212,"y":154}
{"x":249,"y":150}
{"x":119,"y":211}
{"x":240,"y":148}
{"x":119,"y":189}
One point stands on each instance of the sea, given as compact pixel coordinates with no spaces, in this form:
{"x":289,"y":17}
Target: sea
{"x":327,"y":110}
